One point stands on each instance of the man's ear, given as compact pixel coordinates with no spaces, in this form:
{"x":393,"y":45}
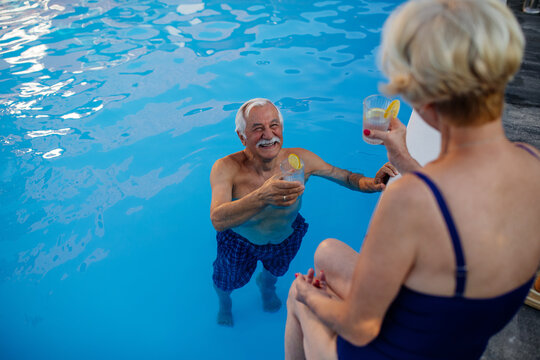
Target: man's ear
{"x":242,"y":138}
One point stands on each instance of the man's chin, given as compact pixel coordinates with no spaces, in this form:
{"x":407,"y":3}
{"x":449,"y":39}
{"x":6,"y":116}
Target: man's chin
{"x":269,"y":152}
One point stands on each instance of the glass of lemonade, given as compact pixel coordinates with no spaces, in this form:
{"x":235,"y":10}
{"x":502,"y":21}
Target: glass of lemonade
{"x":291,"y":173}
{"x":374,"y":107}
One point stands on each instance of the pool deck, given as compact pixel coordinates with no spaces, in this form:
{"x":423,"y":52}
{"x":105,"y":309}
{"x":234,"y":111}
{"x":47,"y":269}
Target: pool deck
{"x":520,"y":339}
{"x":521,"y":120}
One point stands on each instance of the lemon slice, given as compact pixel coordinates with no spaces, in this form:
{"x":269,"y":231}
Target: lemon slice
{"x":294,"y":160}
{"x":392,"y":109}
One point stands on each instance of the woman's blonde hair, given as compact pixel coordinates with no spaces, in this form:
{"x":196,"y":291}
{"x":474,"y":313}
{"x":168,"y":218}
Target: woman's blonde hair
{"x":456,"y":54}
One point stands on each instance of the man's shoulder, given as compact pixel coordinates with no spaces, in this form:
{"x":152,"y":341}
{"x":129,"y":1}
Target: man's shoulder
{"x":299,"y":151}
{"x":231,"y":159}
{"x":310,"y":159}
{"x":230,"y":163}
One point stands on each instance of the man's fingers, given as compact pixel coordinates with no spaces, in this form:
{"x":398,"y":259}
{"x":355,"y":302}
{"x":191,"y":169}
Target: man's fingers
{"x":287,"y":198}
{"x":379,"y":187}
{"x":389,"y":171}
{"x":295,"y":191}
{"x":392,"y":167}
{"x":289,"y":202}
{"x":384,"y":178}
{"x":283,"y":184}
{"x":291,"y":194}
{"x":277,"y":177}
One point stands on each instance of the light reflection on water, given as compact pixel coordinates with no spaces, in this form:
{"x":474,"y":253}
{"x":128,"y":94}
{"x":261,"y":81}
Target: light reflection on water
{"x":112,"y":113}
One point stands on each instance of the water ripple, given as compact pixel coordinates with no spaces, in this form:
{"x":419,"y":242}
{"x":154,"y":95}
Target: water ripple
{"x":105,"y":103}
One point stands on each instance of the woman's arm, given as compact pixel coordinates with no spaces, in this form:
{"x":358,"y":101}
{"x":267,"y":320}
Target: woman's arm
{"x":396,"y":145}
{"x":384,"y":262}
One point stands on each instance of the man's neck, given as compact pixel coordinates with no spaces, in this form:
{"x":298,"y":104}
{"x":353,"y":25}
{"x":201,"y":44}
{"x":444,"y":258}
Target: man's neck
{"x":259,"y":164}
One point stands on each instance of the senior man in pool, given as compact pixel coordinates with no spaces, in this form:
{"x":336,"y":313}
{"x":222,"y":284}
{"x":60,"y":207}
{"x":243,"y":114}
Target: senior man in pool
{"x":256,"y":212}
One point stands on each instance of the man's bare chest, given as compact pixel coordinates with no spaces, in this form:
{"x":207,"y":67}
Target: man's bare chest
{"x":247,"y":183}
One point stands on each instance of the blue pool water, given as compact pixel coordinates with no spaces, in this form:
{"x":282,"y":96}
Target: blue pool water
{"x":112,"y":114}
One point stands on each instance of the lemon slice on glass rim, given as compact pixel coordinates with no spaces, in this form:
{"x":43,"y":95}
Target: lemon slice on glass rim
{"x":392,"y":109}
{"x":294,"y":161}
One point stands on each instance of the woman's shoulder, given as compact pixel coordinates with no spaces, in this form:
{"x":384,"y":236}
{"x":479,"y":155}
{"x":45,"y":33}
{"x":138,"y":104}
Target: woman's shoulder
{"x":408,"y":200}
{"x":527,"y":148}
{"x":409,"y":189}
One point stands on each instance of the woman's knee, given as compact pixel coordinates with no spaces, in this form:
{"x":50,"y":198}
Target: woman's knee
{"x":291,"y":299}
{"x":325,"y":252}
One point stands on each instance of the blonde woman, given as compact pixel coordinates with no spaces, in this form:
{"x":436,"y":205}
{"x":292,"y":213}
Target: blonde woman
{"x":453,"y":247}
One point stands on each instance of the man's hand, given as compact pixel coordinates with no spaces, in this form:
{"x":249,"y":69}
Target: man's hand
{"x":378,"y":183}
{"x":385,"y":173}
{"x":278,"y":192}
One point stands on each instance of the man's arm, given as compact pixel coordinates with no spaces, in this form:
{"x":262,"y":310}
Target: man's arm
{"x":318,"y":167}
{"x":225,"y":213}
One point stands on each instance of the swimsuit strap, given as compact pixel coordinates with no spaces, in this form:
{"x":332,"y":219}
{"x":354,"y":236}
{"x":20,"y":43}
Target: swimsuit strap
{"x":528,"y":150}
{"x":461,"y":269}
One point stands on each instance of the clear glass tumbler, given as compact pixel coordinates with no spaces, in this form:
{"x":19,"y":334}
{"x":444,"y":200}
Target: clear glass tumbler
{"x":374,"y":108}
{"x":290,"y":173}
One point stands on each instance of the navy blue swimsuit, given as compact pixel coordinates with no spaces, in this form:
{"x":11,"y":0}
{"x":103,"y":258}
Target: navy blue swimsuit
{"x":420,"y":326}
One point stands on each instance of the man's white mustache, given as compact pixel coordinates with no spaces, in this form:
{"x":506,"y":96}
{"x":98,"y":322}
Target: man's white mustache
{"x":263,"y":142}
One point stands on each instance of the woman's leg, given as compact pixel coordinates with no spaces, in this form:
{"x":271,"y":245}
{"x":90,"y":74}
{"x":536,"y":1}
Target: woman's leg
{"x":294,"y":336}
{"x":337,"y":260}
{"x":305,"y":336}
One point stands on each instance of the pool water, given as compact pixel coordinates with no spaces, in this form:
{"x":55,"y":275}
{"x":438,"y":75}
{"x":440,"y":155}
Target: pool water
{"x":112,"y":114}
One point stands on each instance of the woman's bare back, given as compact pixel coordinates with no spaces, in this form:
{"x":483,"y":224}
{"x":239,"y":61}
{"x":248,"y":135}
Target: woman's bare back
{"x":493,"y":195}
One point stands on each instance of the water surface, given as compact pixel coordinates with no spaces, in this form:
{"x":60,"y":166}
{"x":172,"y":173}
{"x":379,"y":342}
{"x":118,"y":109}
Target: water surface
{"x":112,"y":114}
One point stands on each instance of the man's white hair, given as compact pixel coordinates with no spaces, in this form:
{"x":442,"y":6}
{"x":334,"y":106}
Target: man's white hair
{"x":243,"y":113}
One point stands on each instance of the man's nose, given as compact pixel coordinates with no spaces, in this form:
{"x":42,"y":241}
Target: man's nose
{"x":268,"y":134}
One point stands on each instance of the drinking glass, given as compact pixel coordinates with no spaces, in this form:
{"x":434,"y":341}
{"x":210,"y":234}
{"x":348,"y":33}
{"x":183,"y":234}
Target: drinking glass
{"x":290,"y":173}
{"x":374,"y":107}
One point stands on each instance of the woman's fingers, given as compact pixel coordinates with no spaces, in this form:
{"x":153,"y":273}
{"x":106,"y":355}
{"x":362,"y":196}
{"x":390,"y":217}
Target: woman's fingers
{"x":310,"y":274}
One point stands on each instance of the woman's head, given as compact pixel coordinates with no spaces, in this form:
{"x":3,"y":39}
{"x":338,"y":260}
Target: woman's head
{"x":456,"y":54}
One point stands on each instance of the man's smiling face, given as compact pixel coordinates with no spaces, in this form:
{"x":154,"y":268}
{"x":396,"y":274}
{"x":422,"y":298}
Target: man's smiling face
{"x":264,"y":132}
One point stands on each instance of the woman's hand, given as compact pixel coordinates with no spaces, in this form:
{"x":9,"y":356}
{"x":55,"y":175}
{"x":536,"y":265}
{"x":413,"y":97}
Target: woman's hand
{"x":309,"y":284}
{"x":396,"y":145}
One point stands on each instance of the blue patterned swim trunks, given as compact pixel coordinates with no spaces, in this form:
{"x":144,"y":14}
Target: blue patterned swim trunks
{"x":237,"y":257}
